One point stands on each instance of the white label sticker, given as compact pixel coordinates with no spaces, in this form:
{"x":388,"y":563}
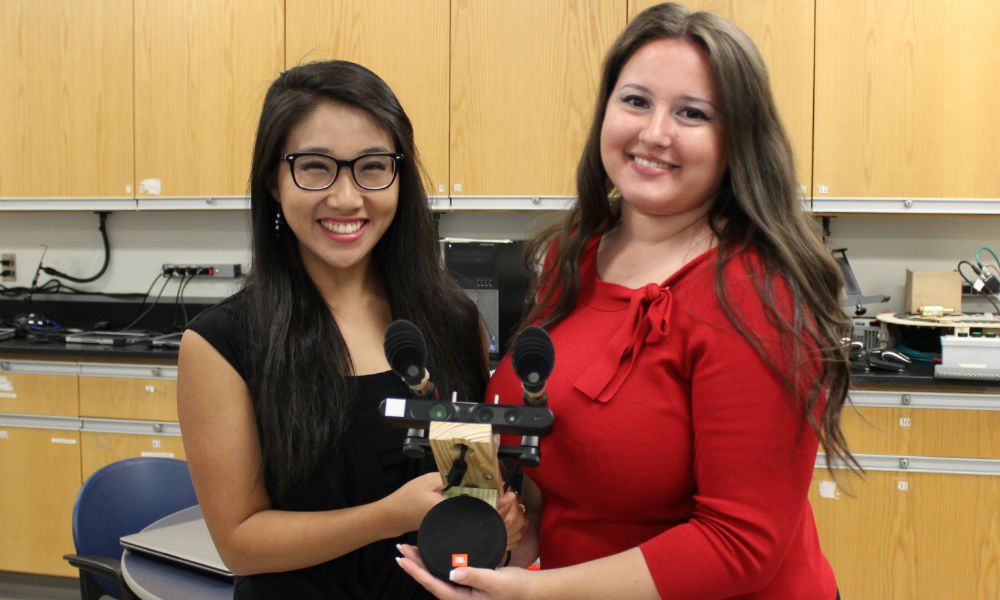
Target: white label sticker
{"x":8,"y":394}
{"x":904,"y":421}
{"x":902,"y":486}
{"x":3,"y":435}
{"x":150,"y":186}
{"x":159,"y":454}
{"x":828,"y":489}
{"x":63,"y":441}
{"x":6,"y":385}
{"x":395,"y":407}
{"x":156,"y":443}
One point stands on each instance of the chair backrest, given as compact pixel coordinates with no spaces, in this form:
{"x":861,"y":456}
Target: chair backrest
{"x":124,"y":497}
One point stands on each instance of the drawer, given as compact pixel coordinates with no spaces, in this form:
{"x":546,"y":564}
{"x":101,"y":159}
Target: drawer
{"x":38,"y":388}
{"x":128,"y":392}
{"x":955,"y":425}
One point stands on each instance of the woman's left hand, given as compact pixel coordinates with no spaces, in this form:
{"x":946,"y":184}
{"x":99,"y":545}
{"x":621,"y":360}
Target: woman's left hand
{"x":513,"y":514}
{"x":507,"y":583}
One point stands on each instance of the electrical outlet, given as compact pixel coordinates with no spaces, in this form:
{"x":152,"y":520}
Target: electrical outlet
{"x":8,"y":267}
{"x":229,"y":271}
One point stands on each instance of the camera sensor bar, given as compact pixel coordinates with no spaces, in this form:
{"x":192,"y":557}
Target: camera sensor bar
{"x":505,"y":418}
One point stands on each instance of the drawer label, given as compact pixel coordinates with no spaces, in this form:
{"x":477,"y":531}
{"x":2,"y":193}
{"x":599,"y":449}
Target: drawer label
{"x":63,"y":441}
{"x":6,"y":385}
{"x":8,"y":394}
{"x":159,"y":454}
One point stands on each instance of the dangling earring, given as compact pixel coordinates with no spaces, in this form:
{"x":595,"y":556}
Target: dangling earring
{"x":277,"y":222}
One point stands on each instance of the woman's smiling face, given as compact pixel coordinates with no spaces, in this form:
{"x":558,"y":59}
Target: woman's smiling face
{"x":662,"y":138}
{"x":338,"y":227}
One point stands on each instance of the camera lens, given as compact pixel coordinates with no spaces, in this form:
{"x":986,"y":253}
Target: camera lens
{"x":438,"y":412}
{"x":512,"y":415}
{"x":484,"y":414}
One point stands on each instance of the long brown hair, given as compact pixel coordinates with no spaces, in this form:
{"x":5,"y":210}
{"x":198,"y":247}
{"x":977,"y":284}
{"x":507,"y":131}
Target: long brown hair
{"x":758,"y":206}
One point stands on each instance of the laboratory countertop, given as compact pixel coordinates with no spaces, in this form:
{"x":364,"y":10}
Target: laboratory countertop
{"x":917,"y":375}
{"x":24,"y":349}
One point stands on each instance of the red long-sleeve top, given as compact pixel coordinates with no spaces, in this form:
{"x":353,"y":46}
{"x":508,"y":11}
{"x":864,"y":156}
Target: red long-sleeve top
{"x":672,"y":433}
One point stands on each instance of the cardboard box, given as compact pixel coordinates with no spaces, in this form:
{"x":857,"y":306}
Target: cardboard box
{"x":933,"y":288}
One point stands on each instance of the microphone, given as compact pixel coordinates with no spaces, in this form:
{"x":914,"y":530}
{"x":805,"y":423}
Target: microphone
{"x":406,"y":352}
{"x":533,"y":357}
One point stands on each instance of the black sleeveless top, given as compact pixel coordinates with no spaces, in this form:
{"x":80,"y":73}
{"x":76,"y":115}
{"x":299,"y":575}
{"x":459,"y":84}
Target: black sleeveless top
{"x":368,"y":465}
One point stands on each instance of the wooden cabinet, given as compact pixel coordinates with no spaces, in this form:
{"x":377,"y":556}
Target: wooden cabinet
{"x":906,"y":106}
{"x":783,"y":32}
{"x":66,"y":101}
{"x":39,"y":465}
{"x":405,"y":43}
{"x":59,"y":422}
{"x":40,"y":471}
{"x":923,"y":521}
{"x":500,"y":93}
{"x":201,"y":70}
{"x":524,"y":78}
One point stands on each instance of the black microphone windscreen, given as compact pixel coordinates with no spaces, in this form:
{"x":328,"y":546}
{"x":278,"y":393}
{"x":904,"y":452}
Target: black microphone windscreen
{"x":533,"y":356}
{"x":405,"y":349}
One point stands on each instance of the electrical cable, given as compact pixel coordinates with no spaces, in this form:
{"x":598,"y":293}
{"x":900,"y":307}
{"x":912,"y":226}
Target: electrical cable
{"x":146,"y":312}
{"x":987,"y":281}
{"x":179,"y":300}
{"x":107,"y":258}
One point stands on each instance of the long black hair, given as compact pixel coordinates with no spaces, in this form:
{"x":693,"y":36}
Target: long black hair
{"x":300,"y":367}
{"x":757,"y":206}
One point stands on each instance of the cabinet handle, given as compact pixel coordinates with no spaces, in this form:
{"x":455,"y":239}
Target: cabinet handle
{"x":905,"y":400}
{"x":904,"y":463}
{"x":5,"y":365}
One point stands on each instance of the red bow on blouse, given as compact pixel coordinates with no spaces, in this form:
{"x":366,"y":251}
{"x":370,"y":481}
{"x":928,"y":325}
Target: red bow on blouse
{"x":648,"y":322}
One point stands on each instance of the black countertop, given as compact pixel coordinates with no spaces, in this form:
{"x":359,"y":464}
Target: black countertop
{"x":919,"y":375}
{"x":23,"y":349}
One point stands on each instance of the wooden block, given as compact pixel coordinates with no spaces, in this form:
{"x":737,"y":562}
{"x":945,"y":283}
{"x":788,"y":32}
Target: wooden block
{"x":447,"y":440}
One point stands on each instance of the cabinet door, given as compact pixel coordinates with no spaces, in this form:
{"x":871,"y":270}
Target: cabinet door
{"x":98,"y":448}
{"x":405,"y":43}
{"x":66,"y":98}
{"x":783,"y":32}
{"x":201,"y":70}
{"x":40,"y":471}
{"x":911,"y":535}
{"x":524,"y":77}
{"x":906,"y":100}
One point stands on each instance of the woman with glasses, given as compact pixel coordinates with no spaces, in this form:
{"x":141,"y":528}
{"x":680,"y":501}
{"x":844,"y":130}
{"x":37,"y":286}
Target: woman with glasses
{"x":696,"y":320}
{"x":303,"y":484}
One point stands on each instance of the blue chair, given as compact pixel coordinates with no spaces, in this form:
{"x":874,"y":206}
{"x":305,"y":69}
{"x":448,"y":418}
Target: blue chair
{"x":118,"y":499}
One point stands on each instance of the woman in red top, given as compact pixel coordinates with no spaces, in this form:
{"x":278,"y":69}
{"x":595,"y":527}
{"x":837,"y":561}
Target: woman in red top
{"x":697,"y":328}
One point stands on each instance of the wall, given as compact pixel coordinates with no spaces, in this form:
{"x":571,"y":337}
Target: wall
{"x":880,"y":247}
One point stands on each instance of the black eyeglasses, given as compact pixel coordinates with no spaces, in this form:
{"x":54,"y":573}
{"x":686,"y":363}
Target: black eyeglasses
{"x":314,"y":171}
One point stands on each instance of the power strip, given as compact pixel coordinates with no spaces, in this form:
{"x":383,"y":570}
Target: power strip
{"x":230,"y":271}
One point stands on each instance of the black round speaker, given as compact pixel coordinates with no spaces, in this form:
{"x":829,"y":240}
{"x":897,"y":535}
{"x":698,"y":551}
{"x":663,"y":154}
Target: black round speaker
{"x":461,"y":531}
